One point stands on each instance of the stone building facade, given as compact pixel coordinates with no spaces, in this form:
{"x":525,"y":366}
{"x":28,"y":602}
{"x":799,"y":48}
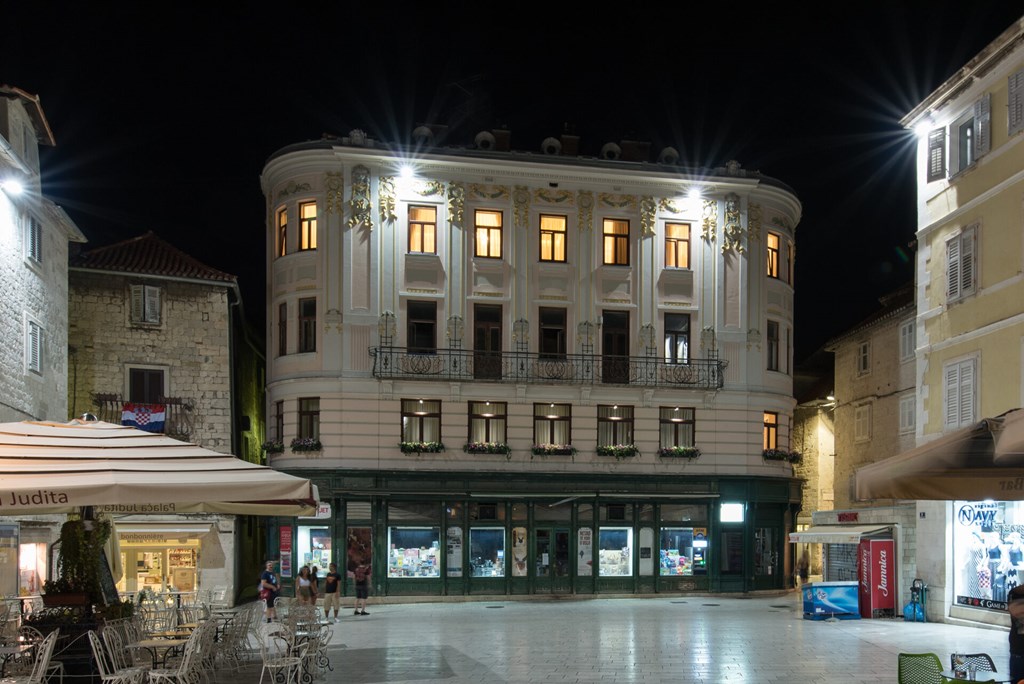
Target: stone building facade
{"x":499,"y":366}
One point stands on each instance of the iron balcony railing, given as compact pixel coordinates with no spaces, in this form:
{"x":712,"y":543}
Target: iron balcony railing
{"x":526,"y":367}
{"x":177,"y":410}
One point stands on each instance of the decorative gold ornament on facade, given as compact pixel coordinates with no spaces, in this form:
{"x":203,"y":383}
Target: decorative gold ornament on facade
{"x":754,"y":222}
{"x":456,"y":202}
{"x":360,"y":204}
{"x":669,"y":206}
{"x":616,"y":201}
{"x":488,"y":192}
{"x":783,"y":223}
{"x":553,"y":196}
{"x":334,"y":182}
{"x":428,"y":188}
{"x":732,"y":233}
{"x":585,"y":201}
{"x":709,"y":220}
{"x":292,"y":187}
{"x":521,"y":203}
{"x":386,"y":193}
{"x":648,"y":208}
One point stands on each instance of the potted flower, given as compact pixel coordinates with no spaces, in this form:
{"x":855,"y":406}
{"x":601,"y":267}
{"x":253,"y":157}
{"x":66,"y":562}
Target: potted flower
{"x":273,"y":446}
{"x":619,"y":451}
{"x":689,"y":452}
{"x":553,"y":450}
{"x":487,"y":448}
{"x":302,"y":444}
{"x":782,"y":455}
{"x":421,"y":447}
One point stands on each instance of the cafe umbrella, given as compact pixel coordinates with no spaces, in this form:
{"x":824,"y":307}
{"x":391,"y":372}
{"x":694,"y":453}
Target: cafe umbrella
{"x":982,"y":461}
{"x":51,"y":467}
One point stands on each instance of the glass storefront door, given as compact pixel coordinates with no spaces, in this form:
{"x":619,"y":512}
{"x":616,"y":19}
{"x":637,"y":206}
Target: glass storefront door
{"x":551,"y":561}
{"x":766,"y":557}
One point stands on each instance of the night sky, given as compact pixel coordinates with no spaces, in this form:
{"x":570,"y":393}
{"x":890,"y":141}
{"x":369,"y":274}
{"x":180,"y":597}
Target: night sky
{"x":164,"y":114}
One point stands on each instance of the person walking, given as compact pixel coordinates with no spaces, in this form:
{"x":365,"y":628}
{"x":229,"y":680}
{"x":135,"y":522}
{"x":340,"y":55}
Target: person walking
{"x":303,"y":586}
{"x":803,"y":567}
{"x":332,"y":592}
{"x":314,"y":585}
{"x":361,"y":576}
{"x":270,"y":587}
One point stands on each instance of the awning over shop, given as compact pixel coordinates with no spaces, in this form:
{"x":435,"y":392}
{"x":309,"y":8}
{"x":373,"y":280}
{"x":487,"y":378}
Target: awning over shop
{"x":983,"y":461}
{"x":172,"y":530}
{"x":836,"y":534}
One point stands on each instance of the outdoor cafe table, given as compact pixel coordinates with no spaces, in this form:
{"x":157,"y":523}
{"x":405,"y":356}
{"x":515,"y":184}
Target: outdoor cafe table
{"x":153,"y":645}
{"x":9,"y":652}
{"x":980,"y":675}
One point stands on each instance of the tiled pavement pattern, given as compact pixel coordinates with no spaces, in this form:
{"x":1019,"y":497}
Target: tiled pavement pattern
{"x":661,"y":640}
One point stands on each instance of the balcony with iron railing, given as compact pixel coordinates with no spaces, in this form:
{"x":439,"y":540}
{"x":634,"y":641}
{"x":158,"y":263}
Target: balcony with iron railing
{"x":177,"y":412}
{"x":526,"y":367}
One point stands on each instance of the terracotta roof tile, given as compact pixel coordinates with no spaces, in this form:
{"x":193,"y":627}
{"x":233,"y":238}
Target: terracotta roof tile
{"x":150,"y":255}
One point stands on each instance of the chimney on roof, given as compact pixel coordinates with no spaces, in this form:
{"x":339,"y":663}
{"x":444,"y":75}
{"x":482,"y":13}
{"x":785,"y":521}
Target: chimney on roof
{"x":502,"y":139}
{"x":570,"y":145}
{"x":635,"y":151}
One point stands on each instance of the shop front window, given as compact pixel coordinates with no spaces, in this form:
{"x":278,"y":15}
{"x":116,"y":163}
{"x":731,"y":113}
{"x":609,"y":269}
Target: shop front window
{"x":314,"y":547}
{"x":988,"y":551}
{"x":31,"y":568}
{"x":359,"y":547}
{"x":677,"y":551}
{"x":615,"y":545}
{"x":487,"y":551}
{"x":414,"y":551}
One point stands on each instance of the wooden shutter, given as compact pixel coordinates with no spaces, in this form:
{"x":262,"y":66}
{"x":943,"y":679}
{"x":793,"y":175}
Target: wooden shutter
{"x":1015,"y":121}
{"x":35,"y":347}
{"x":967,"y":261}
{"x":982,"y":126}
{"x":152,"y":305}
{"x":953,"y":268}
{"x":966,"y":393}
{"x":952,"y":383}
{"x":137,"y":303}
{"x":937,"y":155}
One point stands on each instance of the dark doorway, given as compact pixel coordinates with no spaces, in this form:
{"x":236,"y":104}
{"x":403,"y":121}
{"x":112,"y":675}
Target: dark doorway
{"x":615,"y":347}
{"x":487,"y":341}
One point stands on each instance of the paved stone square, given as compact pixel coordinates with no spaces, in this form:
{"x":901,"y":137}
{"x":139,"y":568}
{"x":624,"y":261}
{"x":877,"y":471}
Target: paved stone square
{"x":670,"y":640}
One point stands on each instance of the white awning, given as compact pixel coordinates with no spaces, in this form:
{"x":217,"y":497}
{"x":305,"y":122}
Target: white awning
{"x":836,"y":534}
{"x":166,"y":528}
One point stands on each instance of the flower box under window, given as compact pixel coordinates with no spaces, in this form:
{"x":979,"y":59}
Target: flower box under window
{"x":782,"y":455}
{"x":487,"y":448}
{"x":679,"y":452}
{"x":553,"y":450}
{"x":618,"y":450}
{"x":302,"y":444}
{"x":421,"y":447}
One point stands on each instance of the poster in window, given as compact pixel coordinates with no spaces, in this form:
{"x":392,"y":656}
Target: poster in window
{"x":519,"y":552}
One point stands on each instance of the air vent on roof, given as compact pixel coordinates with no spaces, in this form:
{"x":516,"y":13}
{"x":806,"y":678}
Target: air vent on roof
{"x":611,"y":151}
{"x":551,"y":146}
{"x":484,"y":140}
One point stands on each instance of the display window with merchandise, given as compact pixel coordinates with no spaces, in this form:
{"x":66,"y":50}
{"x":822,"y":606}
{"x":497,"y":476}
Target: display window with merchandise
{"x":988,"y":552}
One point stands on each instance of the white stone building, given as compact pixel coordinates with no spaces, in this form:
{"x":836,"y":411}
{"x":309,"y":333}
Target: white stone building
{"x":495,"y":365}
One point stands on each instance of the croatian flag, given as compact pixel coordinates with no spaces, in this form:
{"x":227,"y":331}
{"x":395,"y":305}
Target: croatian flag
{"x":148,"y":417}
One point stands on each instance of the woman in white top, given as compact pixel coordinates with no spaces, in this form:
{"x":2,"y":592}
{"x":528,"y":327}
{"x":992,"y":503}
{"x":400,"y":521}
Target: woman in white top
{"x":304,"y":586}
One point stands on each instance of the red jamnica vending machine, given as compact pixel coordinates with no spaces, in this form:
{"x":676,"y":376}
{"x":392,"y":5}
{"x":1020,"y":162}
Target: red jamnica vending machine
{"x":876,"y":568}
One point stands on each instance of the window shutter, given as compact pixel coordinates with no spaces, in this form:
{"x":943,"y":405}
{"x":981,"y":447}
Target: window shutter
{"x":982,"y":125}
{"x":1016,"y":103}
{"x":137,"y":303}
{"x":35,"y":239}
{"x":35,"y":346}
{"x":952,"y":397}
{"x":152,"y":304}
{"x":937,"y":155}
{"x":967,"y":278}
{"x":966,"y":398}
{"x":953,"y":268}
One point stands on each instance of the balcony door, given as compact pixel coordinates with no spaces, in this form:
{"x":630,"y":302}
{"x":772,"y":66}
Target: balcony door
{"x":487,"y":341}
{"x":615,"y":347}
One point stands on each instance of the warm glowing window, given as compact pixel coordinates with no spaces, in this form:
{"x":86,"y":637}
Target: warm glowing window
{"x":488,"y":234}
{"x":423,"y":230}
{"x":421,"y":420}
{"x":282,"y":233}
{"x":552,"y":238}
{"x":307,"y":225}
{"x":552,"y":424}
{"x":771,"y":430}
{"x":487,"y":421}
{"x":677,"y":426}
{"x":677,"y":245}
{"x":773,"y":255}
{"x":616,"y":242}
{"x":614,"y":425}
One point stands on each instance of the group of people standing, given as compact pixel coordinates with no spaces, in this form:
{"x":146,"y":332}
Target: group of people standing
{"x":307,"y":589}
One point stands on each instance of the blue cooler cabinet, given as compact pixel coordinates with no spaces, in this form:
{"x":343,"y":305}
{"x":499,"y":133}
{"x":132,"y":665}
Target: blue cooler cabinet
{"x":823,"y":600}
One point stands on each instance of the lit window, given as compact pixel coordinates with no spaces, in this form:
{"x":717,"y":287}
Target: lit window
{"x":488,"y":234}
{"x":552,"y":238}
{"x":307,"y":225}
{"x":34,"y":347}
{"x":552,"y":424}
{"x":282,"y":233}
{"x":677,"y":338}
{"x":677,"y":426}
{"x":862,"y":422}
{"x":145,"y":304}
{"x":423,"y":230}
{"x":421,"y":420}
{"x":616,"y":242}
{"x":863,"y":358}
{"x":908,"y":341}
{"x":773,"y":345}
{"x":677,"y":245}
{"x":771,"y":430}
{"x":307,"y":325}
{"x":614,"y":425}
{"x":961,"y":265}
{"x":908,"y":411}
{"x":487,"y":421}
{"x":309,"y":418}
{"x":773,"y":255}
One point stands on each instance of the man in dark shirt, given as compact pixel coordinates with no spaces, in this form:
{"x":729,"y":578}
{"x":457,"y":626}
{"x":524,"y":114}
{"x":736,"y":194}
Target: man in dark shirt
{"x":332,"y":592}
{"x":1016,"y":609}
